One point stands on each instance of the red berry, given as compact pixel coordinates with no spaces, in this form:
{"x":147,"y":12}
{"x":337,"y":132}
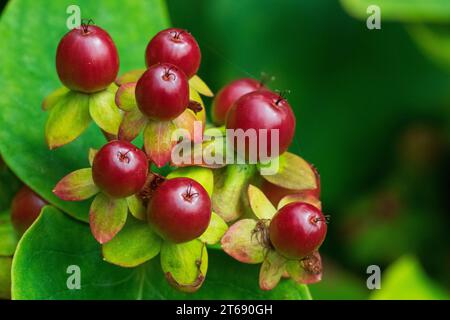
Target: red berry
{"x":162,"y":92}
{"x":26,"y":207}
{"x":175,"y":46}
{"x":297,"y":230}
{"x":87,"y":59}
{"x":263,"y":109}
{"x":120,"y":169}
{"x":275,"y":193}
{"x":229,"y":95}
{"x":180,"y":210}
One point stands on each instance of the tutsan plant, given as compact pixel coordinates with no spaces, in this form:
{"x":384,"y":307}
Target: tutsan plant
{"x":148,"y":212}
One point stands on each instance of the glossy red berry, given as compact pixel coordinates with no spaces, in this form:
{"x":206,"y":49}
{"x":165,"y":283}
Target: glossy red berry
{"x":175,"y":46}
{"x":120,"y":169}
{"x":25,"y":209}
{"x":275,"y":193}
{"x":297,"y":230}
{"x":162,"y":92}
{"x":263,"y":109}
{"x":229,"y":95}
{"x":87,"y":59}
{"x":179,"y":210}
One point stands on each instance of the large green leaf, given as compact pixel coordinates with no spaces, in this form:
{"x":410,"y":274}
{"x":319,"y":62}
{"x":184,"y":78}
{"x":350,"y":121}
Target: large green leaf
{"x":402,"y":10}
{"x":56,"y":242}
{"x":8,"y":235}
{"x":406,"y":279}
{"x":28,"y":74}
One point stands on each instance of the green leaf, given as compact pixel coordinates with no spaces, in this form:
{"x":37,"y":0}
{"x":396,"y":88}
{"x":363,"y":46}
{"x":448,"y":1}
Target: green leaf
{"x":67,"y":119}
{"x":104,"y":111}
{"x":137,"y":208}
{"x":402,"y":10}
{"x":132,"y":124}
{"x":406,"y":279}
{"x":50,"y":100}
{"x":91,"y":155}
{"x":185,"y":264}
{"x":216,"y":229}
{"x":5,"y":277}
{"x":130,"y":76}
{"x":191,"y":126}
{"x":200,"y":86}
{"x":293,"y":173}
{"x":76,"y":186}
{"x":8,"y":235}
{"x":28,"y":75}
{"x":125,"y":98}
{"x":230,"y":186}
{"x":300,"y":197}
{"x":242,"y":242}
{"x":135,"y":244}
{"x":272,"y":269}
{"x":56,"y":241}
{"x":261,"y":206}
{"x":204,"y":176}
{"x":107,"y":217}
{"x":158,"y":141}
{"x":434,"y":40}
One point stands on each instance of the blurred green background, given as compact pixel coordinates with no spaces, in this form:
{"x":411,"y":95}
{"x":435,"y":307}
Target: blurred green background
{"x":373,"y":111}
{"x":373,"y":115}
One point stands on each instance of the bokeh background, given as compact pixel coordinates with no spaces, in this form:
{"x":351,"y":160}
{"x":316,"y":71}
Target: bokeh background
{"x":373,"y":115}
{"x":373,"y":111}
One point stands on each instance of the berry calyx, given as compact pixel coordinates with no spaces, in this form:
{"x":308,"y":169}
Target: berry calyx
{"x":259,"y":110}
{"x":120,"y":169}
{"x":229,"y":95}
{"x":162,"y":92}
{"x":297,"y":230}
{"x":275,"y":193}
{"x":87,"y":59}
{"x":175,"y":46}
{"x":179,"y":210}
{"x":25,"y":208}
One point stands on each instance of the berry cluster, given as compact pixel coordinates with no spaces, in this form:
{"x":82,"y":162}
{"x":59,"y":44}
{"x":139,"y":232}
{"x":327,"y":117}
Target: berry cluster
{"x":194,"y":205}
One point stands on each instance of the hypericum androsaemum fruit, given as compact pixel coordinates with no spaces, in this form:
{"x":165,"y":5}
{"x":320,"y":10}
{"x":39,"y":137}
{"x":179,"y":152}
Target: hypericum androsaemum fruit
{"x":26,"y":207}
{"x":120,"y":169}
{"x":87,"y":59}
{"x":162,"y":92}
{"x":275,"y":193}
{"x":175,"y":46}
{"x":297,"y":230}
{"x":263,"y":109}
{"x":179,"y":210}
{"x":229,"y":95}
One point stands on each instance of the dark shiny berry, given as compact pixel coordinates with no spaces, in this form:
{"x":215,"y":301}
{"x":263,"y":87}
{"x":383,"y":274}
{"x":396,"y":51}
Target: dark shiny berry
{"x":120,"y":169}
{"x":87,"y":59}
{"x":179,"y":210}
{"x":297,"y":230}
{"x":263,"y":110}
{"x":162,"y":92}
{"x":229,"y":95}
{"x":175,"y":46}
{"x":25,"y":209}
